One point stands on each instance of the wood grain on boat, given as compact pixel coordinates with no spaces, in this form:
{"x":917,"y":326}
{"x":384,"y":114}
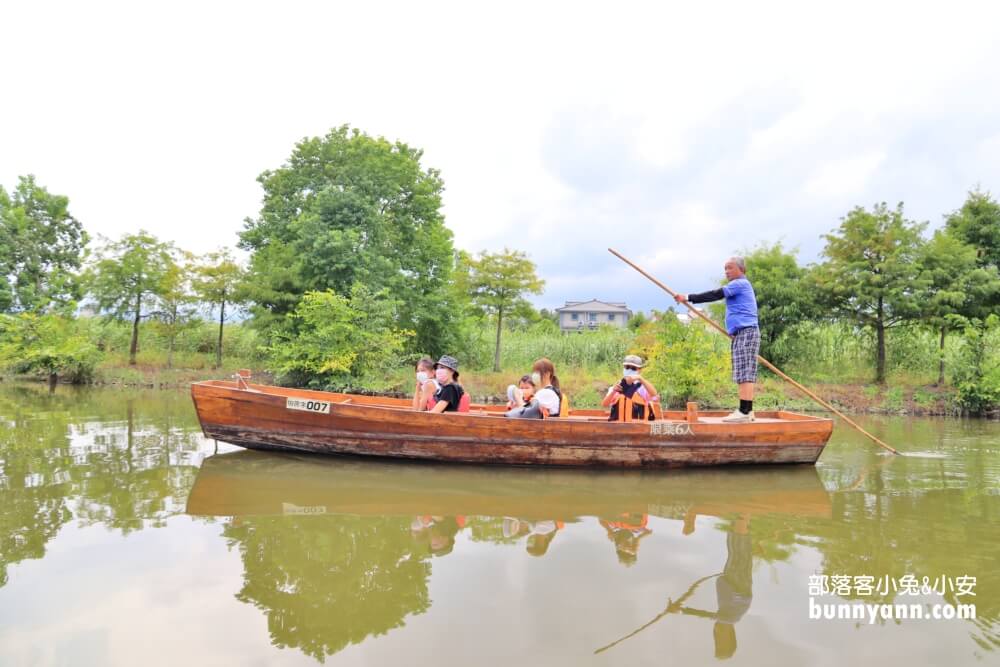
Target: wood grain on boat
{"x":281,"y":419}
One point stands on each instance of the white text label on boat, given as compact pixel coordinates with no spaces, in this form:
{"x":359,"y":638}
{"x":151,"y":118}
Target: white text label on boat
{"x":670,"y":428}
{"x":320,"y":407}
{"x":302,"y":510}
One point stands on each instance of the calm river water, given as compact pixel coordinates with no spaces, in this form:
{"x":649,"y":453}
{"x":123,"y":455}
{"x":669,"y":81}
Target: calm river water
{"x":127,"y":538}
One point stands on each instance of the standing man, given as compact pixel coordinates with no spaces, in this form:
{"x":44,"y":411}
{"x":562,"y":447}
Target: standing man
{"x":741,"y":322}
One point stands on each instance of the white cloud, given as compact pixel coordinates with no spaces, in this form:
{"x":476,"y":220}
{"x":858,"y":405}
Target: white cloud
{"x":848,"y":176}
{"x":558,"y":127}
{"x":988,"y":156}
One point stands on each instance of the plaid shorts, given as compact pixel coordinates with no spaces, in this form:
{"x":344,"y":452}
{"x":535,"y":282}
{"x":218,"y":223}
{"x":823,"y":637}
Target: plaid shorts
{"x":745,"y":347}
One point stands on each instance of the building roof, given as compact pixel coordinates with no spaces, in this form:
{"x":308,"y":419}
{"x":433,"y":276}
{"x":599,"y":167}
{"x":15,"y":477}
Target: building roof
{"x":685,"y":316}
{"x":594,"y":306}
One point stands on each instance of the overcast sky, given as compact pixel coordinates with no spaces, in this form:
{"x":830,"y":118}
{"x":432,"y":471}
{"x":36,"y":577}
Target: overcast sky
{"x":678,"y":134}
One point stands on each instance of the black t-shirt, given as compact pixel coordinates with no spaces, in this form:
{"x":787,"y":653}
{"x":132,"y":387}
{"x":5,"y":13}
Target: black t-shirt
{"x":450,"y":394}
{"x":628,"y":389}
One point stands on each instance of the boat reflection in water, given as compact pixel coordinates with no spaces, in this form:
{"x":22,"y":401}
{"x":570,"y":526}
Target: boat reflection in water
{"x":395,"y":563}
{"x":335,"y":551}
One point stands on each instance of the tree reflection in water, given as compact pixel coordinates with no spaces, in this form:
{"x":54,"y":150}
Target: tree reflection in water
{"x":373,"y":550}
{"x":334,"y":551}
{"x":125,"y":460}
{"x":325,"y":582}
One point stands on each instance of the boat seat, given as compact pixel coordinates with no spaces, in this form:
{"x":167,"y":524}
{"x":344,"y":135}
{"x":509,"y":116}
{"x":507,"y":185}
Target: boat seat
{"x":626,"y":405}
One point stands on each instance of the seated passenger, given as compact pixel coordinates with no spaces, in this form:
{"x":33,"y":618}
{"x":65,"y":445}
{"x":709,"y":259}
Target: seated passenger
{"x":631,"y":384}
{"x":541,"y":536}
{"x":540,"y":533}
{"x":426,"y":387}
{"x":520,"y":395}
{"x":625,"y":535}
{"x":448,"y":397}
{"x":437,"y":532}
{"x":547,"y":400}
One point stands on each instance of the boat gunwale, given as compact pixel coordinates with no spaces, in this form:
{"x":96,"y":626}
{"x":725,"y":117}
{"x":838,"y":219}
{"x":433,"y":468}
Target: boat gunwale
{"x":594,"y":418}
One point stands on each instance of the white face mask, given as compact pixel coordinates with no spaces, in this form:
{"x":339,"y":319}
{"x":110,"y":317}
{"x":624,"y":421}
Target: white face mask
{"x":536,"y":378}
{"x":629,"y":373}
{"x":422,"y":377}
{"x":442,"y":374}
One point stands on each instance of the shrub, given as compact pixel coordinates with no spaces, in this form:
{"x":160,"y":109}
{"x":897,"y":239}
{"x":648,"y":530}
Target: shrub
{"x":977,"y":373}
{"x":688,"y":362}
{"x":332,"y":341}
{"x":46,"y":344}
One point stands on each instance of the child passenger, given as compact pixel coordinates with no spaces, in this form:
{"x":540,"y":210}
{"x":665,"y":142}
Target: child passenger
{"x":426,"y":386}
{"x":547,"y":400}
{"x":520,"y":395}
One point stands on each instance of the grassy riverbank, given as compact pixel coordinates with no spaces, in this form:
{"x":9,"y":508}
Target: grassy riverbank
{"x":585,"y":386}
{"x":151,"y":370}
{"x":685,"y":362}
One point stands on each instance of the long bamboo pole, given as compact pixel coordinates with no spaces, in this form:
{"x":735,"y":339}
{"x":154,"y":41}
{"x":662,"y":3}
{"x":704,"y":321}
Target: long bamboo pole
{"x":672,"y":608}
{"x":761,"y":359}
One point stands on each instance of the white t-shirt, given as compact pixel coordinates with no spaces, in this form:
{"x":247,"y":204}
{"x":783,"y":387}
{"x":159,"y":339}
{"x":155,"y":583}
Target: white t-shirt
{"x":543,"y":527}
{"x":549,"y":399}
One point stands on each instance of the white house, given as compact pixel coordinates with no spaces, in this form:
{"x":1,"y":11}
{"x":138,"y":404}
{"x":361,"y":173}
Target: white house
{"x":685,"y":316}
{"x":587,"y":315}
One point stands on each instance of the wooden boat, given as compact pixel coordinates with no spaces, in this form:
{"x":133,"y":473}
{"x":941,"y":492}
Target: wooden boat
{"x":282,"y":419}
{"x":242,"y":484}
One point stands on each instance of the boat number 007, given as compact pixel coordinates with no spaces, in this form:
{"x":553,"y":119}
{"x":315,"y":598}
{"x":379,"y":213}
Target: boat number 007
{"x":320,"y":407}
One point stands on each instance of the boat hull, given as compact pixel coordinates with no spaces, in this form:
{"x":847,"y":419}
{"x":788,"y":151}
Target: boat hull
{"x":260,"y":418}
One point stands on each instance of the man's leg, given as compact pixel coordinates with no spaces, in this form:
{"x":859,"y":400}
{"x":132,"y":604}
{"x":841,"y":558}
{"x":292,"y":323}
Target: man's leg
{"x":746,"y":397}
{"x":744,"y":349}
{"x":749,"y":377}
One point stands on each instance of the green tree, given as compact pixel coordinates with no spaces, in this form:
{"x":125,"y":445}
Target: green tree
{"x":977,"y":223}
{"x":498,"y":283}
{"x":128,"y":277}
{"x":977,"y":375}
{"x":467,"y":317}
{"x":46,"y":343}
{"x":549,"y":316}
{"x":957,"y":290}
{"x":41,"y":248}
{"x":637,"y":320}
{"x":349,"y":208}
{"x":686,"y":362}
{"x":783,"y":299}
{"x":218,"y":282}
{"x":176,"y":302}
{"x":335,"y":340}
{"x":871,"y":274}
